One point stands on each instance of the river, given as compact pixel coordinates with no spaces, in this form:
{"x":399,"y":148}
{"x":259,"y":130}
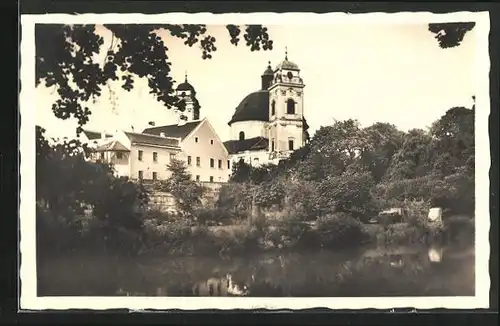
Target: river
{"x":401,"y":271}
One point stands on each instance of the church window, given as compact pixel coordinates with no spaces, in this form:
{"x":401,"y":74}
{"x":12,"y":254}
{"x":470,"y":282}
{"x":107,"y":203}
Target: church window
{"x":290,"y":106}
{"x":289,"y":75}
{"x":273,"y":108}
{"x":290,"y":144}
{"x":272,"y":145}
{"x":242,"y":135}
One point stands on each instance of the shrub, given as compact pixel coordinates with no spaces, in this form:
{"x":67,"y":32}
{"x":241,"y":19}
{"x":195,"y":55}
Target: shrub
{"x":213,"y":216}
{"x":340,"y":230}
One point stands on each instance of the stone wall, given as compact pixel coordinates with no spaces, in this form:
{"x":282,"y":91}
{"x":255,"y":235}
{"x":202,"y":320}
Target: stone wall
{"x":165,"y":202}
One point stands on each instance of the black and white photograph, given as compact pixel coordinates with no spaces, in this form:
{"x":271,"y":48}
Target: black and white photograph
{"x":281,"y":161}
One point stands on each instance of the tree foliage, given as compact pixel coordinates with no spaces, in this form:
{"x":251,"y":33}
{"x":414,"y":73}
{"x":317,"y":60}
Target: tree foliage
{"x":354,"y":170}
{"x":450,"y":35}
{"x":68,"y":57}
{"x":186,"y":192}
{"x":68,"y":187}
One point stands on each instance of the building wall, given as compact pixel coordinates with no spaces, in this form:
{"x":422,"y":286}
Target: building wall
{"x":284,"y":126}
{"x":147,"y":165}
{"x":254,"y":158}
{"x":250,"y":128}
{"x":200,"y":144}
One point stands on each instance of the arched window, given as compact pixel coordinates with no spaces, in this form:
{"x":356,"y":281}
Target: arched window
{"x":242,"y":135}
{"x":290,"y":144}
{"x":290,"y":106}
{"x":273,"y":107}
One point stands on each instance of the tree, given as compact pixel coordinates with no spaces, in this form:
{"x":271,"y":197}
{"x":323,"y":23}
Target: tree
{"x":454,"y":134}
{"x":186,"y":192}
{"x":380,"y":142}
{"x":415,"y":158}
{"x":66,"y":58}
{"x":331,"y":151}
{"x":450,"y":35}
{"x":67,"y":185}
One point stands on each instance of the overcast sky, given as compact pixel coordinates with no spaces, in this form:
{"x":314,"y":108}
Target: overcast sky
{"x":387,"y":73}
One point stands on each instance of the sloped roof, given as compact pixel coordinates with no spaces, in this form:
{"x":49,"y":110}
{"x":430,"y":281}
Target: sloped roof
{"x":94,"y":135}
{"x":175,"y":131}
{"x":112,"y":146}
{"x":237,"y":146}
{"x":150,"y":139}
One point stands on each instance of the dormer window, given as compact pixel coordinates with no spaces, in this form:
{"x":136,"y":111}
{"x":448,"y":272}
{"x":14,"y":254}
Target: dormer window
{"x":290,"y":106}
{"x":242,"y":135}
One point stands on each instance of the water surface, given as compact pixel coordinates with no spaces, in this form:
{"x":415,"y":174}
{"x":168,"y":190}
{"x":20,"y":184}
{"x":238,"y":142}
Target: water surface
{"x":402,"y":271}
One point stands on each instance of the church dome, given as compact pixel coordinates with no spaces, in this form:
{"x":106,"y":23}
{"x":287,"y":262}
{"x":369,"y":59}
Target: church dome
{"x":254,"y":107}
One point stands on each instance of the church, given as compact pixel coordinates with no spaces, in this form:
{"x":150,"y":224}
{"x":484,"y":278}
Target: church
{"x":269,"y":124}
{"x":266,"y":127}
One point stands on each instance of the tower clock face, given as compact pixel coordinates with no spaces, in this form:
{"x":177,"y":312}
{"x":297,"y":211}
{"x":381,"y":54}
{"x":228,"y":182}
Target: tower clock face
{"x":289,"y":75}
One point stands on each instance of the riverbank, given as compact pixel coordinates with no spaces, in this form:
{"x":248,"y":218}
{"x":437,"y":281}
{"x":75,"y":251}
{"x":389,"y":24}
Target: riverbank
{"x":336,"y":232}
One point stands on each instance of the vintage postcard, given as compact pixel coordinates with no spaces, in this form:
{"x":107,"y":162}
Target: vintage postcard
{"x":244,"y":161}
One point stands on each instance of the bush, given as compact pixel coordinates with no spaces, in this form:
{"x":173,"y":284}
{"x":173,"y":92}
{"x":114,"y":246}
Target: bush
{"x":340,"y":230}
{"x":213,"y":216}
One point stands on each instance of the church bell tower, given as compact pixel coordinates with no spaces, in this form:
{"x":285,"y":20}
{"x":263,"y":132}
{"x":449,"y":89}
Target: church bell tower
{"x":185,"y":91}
{"x":286,"y":109}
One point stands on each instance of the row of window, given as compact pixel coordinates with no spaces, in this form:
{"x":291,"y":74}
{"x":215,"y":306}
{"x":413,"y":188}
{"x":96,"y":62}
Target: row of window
{"x":212,"y":162}
{"x":155,"y":156}
{"x":290,"y":107}
{"x":196,"y":140}
{"x":155,"y":176}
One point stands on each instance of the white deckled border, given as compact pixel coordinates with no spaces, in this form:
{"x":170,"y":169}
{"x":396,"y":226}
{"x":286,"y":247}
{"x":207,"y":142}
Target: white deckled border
{"x":29,"y":300}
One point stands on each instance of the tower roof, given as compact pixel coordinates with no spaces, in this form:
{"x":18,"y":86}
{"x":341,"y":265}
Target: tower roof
{"x":185,"y":86}
{"x":269,"y":70}
{"x":287,"y":64}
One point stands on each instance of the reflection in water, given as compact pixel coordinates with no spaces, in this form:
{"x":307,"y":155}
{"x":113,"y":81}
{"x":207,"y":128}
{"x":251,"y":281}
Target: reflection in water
{"x":373,"y":272}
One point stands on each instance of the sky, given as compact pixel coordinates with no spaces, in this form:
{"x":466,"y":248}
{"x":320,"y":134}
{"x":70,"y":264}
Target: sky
{"x":374,"y":73}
